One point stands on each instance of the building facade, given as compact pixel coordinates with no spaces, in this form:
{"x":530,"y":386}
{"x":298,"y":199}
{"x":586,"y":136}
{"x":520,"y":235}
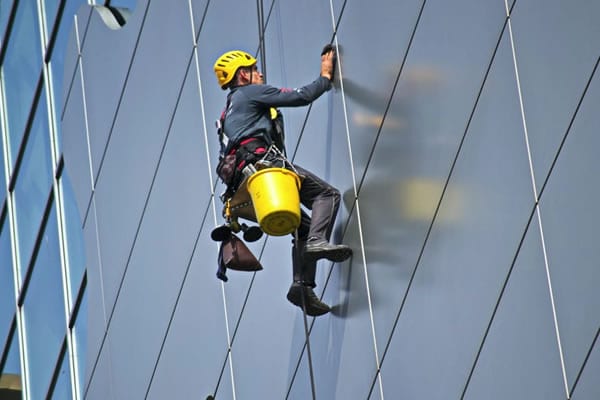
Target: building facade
{"x":461,"y":135}
{"x":42,"y":268}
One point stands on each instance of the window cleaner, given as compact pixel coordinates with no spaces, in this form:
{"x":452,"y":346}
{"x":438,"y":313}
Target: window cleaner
{"x":251,"y":137}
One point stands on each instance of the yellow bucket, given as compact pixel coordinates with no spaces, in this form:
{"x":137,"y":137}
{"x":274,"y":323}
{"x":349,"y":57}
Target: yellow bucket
{"x":276,"y":200}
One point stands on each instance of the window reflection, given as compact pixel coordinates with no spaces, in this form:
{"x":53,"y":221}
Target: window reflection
{"x":44,"y":312}
{"x":33,"y":184}
{"x":5,"y":7}
{"x":57,"y":60}
{"x":7,"y":291}
{"x":50,"y":8}
{"x":80,"y":333}
{"x":2,"y":176}
{"x":20,"y":70}
{"x":74,"y":233}
{"x":10,"y":374}
{"x":62,"y":388}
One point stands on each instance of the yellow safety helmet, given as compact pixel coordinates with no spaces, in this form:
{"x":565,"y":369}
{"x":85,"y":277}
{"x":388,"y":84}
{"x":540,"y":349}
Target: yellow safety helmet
{"x":227,"y":65}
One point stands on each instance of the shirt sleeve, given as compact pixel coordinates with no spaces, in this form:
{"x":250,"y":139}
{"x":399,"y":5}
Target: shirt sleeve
{"x":271,"y":96}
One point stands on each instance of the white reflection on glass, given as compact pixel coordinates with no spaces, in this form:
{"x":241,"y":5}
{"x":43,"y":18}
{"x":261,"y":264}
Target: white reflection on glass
{"x":21,"y":69}
{"x":57,"y":60}
{"x":2,"y":177}
{"x":44,"y":311}
{"x":50,"y":7}
{"x":74,"y":232}
{"x":33,"y":184}
{"x":7,"y":291}
{"x":80,"y":333}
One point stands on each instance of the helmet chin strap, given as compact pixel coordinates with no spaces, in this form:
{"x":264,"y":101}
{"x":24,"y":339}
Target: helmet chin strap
{"x":250,"y":80}
{"x":251,"y":72}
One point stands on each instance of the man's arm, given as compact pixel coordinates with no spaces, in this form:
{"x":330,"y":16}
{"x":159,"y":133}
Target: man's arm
{"x":271,"y":96}
{"x":275,"y":97}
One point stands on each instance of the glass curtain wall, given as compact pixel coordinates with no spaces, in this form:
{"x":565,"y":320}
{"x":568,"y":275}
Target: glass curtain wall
{"x":42,"y":265}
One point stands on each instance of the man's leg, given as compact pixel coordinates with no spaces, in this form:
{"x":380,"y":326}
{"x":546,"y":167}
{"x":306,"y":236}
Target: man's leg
{"x":301,"y":292}
{"x":324,"y":201}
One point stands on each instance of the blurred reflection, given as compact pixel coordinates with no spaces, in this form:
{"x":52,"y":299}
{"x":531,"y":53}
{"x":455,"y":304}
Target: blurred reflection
{"x":402,"y":187}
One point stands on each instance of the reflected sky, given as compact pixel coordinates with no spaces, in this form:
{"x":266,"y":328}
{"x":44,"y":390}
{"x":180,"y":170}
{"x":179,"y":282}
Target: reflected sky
{"x":75,"y":246}
{"x":44,"y":311}
{"x":20,"y":69}
{"x":7,"y":283}
{"x":33,"y":184}
{"x":5,"y":7}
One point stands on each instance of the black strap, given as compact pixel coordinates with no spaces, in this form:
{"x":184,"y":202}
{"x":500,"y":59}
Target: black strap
{"x":221,"y":127}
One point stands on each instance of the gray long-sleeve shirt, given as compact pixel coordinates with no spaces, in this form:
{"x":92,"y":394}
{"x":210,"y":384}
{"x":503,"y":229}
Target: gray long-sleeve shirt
{"x":248,"y":112}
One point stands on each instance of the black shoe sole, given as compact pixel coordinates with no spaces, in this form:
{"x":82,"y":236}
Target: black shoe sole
{"x":336,"y":255}
{"x":295,"y":297}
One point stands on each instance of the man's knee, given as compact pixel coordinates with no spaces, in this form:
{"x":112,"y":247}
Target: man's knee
{"x":335,"y":195}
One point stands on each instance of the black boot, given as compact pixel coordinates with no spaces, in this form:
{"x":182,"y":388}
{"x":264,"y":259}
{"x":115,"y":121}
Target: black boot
{"x":303,"y":296}
{"x":316,"y":249}
{"x":301,"y":292}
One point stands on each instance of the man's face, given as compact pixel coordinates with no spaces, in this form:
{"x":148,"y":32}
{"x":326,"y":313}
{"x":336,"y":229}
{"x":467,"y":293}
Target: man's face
{"x":256,"y":77}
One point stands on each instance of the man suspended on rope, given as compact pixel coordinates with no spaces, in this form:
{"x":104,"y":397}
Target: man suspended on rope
{"x":251,"y":123}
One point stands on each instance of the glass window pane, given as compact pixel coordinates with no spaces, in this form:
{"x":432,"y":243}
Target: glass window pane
{"x":20,"y":71}
{"x":44,"y":312}
{"x":7,"y":288}
{"x":57,"y":60}
{"x":74,"y":233}
{"x":5,"y":6}
{"x":10,"y":375}
{"x":33,"y":184}
{"x":62,"y":388}
{"x":2,"y":176}
{"x":50,"y":7}
{"x":80,"y":333}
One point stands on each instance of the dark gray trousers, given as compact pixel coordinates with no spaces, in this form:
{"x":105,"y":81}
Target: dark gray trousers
{"x":324,"y":201}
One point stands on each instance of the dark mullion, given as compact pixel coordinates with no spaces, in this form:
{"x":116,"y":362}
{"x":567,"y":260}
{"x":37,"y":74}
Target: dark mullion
{"x":54,"y":33}
{"x":3,"y":213}
{"x":59,"y":167}
{"x":36,"y":247}
{"x":9,"y":338}
{"x":59,"y":360}
{"x":25,"y":138}
{"x":78,"y":300}
{"x":8,"y":30}
{"x":585,"y":361}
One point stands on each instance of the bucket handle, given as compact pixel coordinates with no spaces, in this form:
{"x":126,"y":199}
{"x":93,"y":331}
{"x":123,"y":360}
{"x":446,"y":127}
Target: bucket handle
{"x":273,"y":150}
